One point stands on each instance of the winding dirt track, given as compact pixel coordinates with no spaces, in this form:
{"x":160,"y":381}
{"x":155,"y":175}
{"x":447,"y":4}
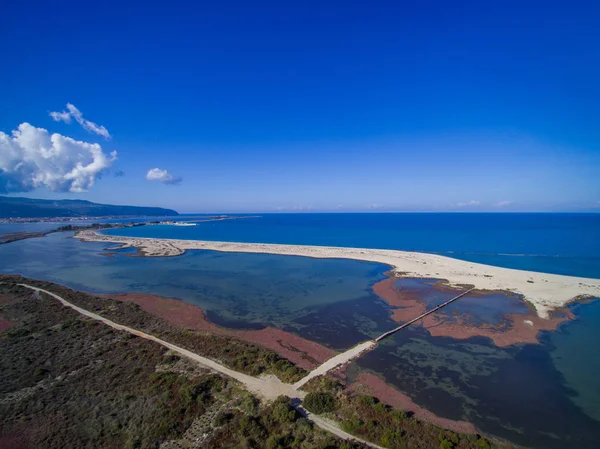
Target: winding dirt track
{"x":267,"y":387}
{"x":338,"y":360}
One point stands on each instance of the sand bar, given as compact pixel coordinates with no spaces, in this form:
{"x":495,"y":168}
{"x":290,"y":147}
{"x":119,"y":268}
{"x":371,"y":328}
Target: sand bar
{"x":544,"y":291}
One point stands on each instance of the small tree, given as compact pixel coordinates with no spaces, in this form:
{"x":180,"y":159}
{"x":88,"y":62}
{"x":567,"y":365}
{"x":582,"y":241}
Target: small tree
{"x":283,"y":411}
{"x":319,"y":403}
{"x":483,"y":443}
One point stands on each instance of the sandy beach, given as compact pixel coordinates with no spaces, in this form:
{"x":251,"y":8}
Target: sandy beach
{"x":544,"y":291}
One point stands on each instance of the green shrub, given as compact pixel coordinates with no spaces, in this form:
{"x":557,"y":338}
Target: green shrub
{"x":483,"y":443}
{"x":319,"y":403}
{"x":283,"y":411}
{"x":250,"y":427}
{"x":171,"y":359}
{"x":368,"y":400}
{"x":249,"y":404}
{"x":351,"y":425}
{"x":446,"y":444}
{"x":279,"y":442}
{"x":391,"y":438}
{"x":222,"y":418}
{"x":399,"y":415}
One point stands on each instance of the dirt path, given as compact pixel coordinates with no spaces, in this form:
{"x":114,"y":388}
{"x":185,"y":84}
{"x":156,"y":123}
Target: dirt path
{"x":332,"y":427}
{"x":336,"y":361}
{"x":267,"y":387}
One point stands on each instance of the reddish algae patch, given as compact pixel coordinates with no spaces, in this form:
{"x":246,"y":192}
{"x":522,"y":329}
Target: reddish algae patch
{"x":370,"y":384}
{"x":304,"y":353}
{"x":4,"y":323}
{"x":523,"y":328}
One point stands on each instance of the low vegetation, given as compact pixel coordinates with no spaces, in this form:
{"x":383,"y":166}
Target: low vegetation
{"x":277,"y":426}
{"x":236,"y":354}
{"x":369,"y":419}
{"x":67,"y":381}
{"x":319,"y":403}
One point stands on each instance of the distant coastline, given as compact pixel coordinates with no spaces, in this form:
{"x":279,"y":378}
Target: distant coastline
{"x":546,"y":292}
{"x":22,"y":235}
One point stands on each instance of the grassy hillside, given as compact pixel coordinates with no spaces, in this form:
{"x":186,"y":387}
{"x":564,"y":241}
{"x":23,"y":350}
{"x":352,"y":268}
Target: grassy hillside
{"x":11,"y":207}
{"x":70,"y":382}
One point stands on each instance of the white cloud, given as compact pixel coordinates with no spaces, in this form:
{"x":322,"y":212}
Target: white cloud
{"x":295,"y":207}
{"x":61,"y":116}
{"x":156,"y":174}
{"x":32,"y":157}
{"x":471,"y":203}
{"x":504,"y":203}
{"x":301,"y":207}
{"x":375,"y":206}
{"x":73,"y":112}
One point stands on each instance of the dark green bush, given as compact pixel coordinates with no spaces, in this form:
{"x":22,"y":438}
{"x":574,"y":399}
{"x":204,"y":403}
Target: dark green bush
{"x":279,"y":442}
{"x":483,"y":443}
{"x":446,"y":444}
{"x":222,"y":418}
{"x":319,"y":403}
{"x":251,"y":427}
{"x":283,"y":411}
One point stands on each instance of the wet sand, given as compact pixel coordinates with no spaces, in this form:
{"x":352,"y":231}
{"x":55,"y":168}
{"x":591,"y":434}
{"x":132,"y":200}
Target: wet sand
{"x":302,"y":352}
{"x":367,"y":383}
{"x":545,"y":292}
{"x":519,"y":328}
{"x":22,"y":235}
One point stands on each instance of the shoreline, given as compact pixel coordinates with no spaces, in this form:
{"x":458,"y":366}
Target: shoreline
{"x":522,"y":327}
{"x":545,"y":292}
{"x":371,"y":384}
{"x":292,"y":347}
{"x":305,"y":353}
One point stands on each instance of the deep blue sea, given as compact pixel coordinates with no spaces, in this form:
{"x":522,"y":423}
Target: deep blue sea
{"x":553,"y":243}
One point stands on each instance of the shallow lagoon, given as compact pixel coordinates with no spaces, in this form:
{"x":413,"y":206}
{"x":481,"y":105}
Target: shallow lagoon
{"x":515,"y":393}
{"x":236,"y":289}
{"x":525,"y":393}
{"x":473,"y":308}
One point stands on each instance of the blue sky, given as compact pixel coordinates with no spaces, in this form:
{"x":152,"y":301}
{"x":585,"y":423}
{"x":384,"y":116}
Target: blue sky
{"x":295,"y":106}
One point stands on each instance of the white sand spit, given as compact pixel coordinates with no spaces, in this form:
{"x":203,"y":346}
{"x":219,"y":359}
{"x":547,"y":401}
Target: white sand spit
{"x":544,"y":291}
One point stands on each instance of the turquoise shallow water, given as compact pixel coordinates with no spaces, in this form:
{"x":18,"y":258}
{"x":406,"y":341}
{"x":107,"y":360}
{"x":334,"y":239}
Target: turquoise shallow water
{"x":543,"y":396}
{"x":236,"y":288}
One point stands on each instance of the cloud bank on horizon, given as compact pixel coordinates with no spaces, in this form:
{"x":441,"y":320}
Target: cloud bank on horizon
{"x":32,"y":157}
{"x":471,"y":203}
{"x":156,"y":174}
{"x":73,"y":113}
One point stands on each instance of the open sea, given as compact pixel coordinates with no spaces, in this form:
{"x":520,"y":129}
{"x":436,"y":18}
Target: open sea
{"x":552,"y":243}
{"x":541,"y":396}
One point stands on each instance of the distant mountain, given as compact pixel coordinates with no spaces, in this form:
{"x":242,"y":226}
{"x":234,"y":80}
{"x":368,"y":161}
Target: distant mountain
{"x":12,"y":207}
